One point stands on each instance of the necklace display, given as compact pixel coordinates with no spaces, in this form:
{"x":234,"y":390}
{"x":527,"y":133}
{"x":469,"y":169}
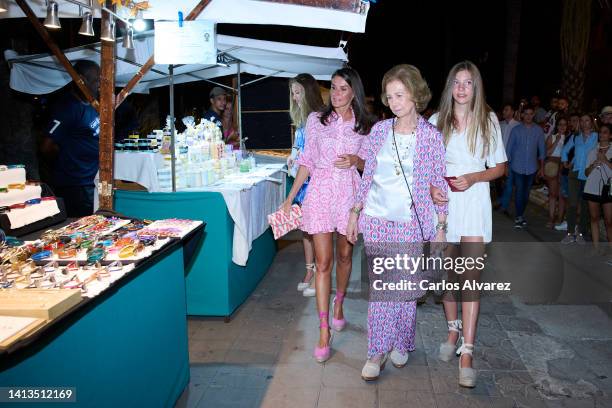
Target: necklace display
{"x":406,"y":146}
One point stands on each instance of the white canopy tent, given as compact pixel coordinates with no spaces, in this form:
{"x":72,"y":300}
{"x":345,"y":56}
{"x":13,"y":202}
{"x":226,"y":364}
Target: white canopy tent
{"x":41,"y":74}
{"x":246,"y":55}
{"x":231,"y":11}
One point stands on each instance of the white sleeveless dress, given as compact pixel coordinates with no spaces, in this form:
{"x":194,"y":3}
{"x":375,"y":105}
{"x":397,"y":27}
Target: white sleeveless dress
{"x":470,"y":211}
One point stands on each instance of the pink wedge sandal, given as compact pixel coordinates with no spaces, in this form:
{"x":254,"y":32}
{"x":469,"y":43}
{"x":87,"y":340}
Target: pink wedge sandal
{"x":338,"y":324}
{"x":322,"y":354}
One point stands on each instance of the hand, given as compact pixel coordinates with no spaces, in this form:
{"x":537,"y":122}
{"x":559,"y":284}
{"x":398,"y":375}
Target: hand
{"x":540,"y":174}
{"x":351,"y":228}
{"x":345,"y":161}
{"x":464,"y":182}
{"x":566,"y":165}
{"x":437,"y":195}
{"x":286,"y":206}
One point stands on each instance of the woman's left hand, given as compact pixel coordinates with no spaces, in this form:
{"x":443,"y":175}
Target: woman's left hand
{"x":345,"y":161}
{"x":464,"y":182}
{"x":437,"y":195}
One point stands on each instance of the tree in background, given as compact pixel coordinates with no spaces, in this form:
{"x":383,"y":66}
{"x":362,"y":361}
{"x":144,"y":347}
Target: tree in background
{"x":575,"y":33}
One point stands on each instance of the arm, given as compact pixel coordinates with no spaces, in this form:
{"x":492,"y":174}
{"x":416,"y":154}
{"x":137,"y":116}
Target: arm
{"x":565,"y":153}
{"x":438,"y":172}
{"x":496,"y":160}
{"x":541,"y":154}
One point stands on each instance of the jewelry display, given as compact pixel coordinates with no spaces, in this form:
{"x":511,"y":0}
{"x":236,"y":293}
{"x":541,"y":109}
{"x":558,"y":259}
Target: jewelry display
{"x":88,"y":254}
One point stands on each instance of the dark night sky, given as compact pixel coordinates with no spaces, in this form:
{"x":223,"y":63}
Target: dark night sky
{"x":432,"y":35}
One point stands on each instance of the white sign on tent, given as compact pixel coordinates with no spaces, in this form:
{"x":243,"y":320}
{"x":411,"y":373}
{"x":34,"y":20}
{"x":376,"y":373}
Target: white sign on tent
{"x":192,"y":43}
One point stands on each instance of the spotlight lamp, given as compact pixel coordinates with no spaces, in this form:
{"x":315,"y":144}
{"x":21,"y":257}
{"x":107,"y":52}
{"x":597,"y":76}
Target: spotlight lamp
{"x":52,"y":19}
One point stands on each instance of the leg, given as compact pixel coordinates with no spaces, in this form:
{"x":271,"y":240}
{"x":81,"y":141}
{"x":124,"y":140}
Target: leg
{"x":521,"y":186}
{"x":595,"y":215}
{"x":562,"y":204}
{"x":607,"y":210}
{"x":574,"y":191}
{"x":471,"y":247}
{"x":449,"y":300}
{"x":406,"y":327}
{"x":308,"y":256}
{"x":507,"y":194}
{"x":324,"y":255}
{"x":344,"y":264}
{"x":584,"y":216}
{"x":553,"y":197}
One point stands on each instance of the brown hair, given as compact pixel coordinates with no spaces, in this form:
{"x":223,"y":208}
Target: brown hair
{"x":312,"y":99}
{"x":411,"y":77}
{"x":481,"y":125}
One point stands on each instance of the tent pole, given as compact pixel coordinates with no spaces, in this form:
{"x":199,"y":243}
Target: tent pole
{"x":239,"y":88}
{"x":172,"y":149}
{"x":107,"y":120}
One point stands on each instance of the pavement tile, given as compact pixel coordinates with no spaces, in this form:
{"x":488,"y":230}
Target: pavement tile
{"x":243,"y":376}
{"x":227,"y":397}
{"x":394,"y":399}
{"x":347,"y":397}
{"x":245,"y":351}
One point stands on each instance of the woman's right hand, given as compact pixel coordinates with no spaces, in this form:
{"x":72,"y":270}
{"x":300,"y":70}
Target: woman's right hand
{"x":351,"y":228}
{"x":286,"y":206}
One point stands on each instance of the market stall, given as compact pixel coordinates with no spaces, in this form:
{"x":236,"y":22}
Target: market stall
{"x":230,"y":262}
{"x":228,"y":266}
{"x":74,"y":296}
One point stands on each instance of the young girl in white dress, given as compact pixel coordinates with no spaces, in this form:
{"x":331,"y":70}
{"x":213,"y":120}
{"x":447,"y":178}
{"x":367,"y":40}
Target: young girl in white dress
{"x":475,"y":155}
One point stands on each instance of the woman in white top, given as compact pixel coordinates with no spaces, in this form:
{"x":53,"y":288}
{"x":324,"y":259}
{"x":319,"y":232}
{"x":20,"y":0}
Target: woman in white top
{"x":552,"y":167}
{"x":597,"y":187}
{"x":475,"y":155}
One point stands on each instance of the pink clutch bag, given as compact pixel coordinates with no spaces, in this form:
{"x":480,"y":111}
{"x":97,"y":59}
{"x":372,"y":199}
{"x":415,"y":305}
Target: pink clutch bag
{"x":282,"y":223}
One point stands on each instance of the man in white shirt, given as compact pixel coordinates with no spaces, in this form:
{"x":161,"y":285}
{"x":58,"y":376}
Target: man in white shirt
{"x":507,"y":122}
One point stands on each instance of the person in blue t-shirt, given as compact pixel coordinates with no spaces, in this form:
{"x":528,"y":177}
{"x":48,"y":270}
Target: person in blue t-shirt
{"x":218,"y":100}
{"x":73,"y":138}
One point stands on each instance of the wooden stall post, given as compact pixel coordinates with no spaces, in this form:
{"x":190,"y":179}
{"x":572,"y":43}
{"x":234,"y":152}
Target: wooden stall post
{"x":107,"y":117}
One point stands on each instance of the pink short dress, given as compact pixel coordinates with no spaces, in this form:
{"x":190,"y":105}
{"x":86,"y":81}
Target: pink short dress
{"x":331,"y":191}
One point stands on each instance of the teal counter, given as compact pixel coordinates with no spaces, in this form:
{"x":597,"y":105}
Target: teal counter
{"x":125,"y":348}
{"x":215,"y":285}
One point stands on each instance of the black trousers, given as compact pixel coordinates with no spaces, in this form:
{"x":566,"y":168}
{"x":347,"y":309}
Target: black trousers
{"x":78,"y":199}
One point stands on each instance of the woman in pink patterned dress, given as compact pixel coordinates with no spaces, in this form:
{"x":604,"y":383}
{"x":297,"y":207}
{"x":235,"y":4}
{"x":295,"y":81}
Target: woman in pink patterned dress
{"x":404,"y":158}
{"x":333,"y":139}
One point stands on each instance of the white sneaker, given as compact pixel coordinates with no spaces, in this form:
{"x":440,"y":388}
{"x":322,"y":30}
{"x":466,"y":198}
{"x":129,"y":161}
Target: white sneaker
{"x":371,"y":370}
{"x":309,"y":292}
{"x":580,"y":239}
{"x":561,"y":226}
{"x":398,"y":359}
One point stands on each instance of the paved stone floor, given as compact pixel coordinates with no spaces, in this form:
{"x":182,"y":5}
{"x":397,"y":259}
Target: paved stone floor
{"x":528,"y":355}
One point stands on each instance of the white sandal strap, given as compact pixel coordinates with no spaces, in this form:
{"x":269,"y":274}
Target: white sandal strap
{"x":454,"y":325}
{"x":466,"y":348}
{"x":311,"y":266}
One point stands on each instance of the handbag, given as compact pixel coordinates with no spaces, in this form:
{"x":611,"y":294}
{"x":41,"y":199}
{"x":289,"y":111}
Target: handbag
{"x":283,"y":223}
{"x":551,"y":168}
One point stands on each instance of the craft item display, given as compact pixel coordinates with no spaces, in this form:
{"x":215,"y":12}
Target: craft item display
{"x":20,"y":200}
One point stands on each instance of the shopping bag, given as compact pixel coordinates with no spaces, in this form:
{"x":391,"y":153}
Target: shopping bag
{"x":282,"y":223}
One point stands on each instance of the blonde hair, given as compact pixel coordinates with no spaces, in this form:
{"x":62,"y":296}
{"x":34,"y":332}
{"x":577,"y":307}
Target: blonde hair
{"x":411,"y":77}
{"x":311,"y":100}
{"x":480,"y":125}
